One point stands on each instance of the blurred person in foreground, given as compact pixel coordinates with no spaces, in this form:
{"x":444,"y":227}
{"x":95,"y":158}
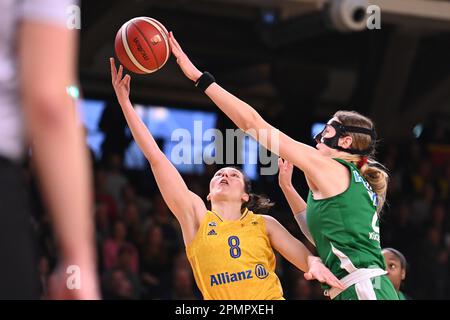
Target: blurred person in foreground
{"x":37,"y":65}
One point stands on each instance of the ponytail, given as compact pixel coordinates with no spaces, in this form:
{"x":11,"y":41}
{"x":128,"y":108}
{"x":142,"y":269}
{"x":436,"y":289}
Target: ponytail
{"x":372,"y":171}
{"x":258,"y":203}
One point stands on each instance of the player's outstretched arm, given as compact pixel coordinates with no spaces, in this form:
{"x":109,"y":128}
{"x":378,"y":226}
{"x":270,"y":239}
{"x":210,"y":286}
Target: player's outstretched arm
{"x":317,"y":167}
{"x":296,"y":202}
{"x":186,"y":206}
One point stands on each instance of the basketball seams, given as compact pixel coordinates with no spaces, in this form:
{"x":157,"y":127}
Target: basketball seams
{"x":122,"y":54}
{"x":128,"y":50}
{"x":162,"y":30}
{"x":148,"y":45}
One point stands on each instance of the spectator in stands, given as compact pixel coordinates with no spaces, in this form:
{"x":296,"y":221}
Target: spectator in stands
{"x":132,"y":220}
{"x":101,"y":194}
{"x":112,"y":246}
{"x":183,"y":284}
{"x":156,"y":265}
{"x":115,"y":178}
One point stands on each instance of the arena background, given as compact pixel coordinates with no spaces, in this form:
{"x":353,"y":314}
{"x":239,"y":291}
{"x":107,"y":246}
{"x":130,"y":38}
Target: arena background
{"x":296,"y":62}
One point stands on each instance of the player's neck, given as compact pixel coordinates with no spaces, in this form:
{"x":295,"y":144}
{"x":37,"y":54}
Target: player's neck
{"x":227,"y":210}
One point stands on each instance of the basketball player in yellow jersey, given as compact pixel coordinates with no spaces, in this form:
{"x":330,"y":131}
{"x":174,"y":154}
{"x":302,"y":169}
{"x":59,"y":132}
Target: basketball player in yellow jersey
{"x":229,"y":247}
{"x":233,"y":259}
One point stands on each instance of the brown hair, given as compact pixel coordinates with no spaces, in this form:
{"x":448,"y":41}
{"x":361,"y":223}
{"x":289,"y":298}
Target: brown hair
{"x":258,"y":203}
{"x":372,"y":171}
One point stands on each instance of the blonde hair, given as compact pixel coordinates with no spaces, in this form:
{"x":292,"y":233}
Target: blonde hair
{"x":372,"y":171}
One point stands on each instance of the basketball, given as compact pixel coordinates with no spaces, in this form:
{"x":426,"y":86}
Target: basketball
{"x":142,"y":45}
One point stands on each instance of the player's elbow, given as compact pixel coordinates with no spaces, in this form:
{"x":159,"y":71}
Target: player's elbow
{"x":252,"y":122}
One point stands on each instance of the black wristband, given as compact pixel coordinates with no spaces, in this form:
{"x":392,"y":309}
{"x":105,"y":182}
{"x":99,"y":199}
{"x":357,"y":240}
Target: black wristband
{"x":205,"y":81}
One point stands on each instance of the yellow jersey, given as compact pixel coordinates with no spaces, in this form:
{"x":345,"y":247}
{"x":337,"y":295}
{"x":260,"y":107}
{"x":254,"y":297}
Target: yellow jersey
{"x":233,"y":260}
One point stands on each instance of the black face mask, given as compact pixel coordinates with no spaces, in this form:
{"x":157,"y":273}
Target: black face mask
{"x":342,"y":131}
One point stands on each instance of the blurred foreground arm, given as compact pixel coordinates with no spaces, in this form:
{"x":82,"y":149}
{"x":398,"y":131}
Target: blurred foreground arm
{"x":47,"y":67}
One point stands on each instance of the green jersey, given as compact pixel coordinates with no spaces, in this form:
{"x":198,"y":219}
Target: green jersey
{"x":401,"y":296}
{"x":345,"y":227}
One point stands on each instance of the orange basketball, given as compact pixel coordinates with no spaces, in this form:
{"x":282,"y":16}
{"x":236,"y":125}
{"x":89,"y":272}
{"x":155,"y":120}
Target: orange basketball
{"x":142,"y":45}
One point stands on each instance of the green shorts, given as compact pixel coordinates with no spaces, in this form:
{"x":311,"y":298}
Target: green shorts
{"x":378,"y":288}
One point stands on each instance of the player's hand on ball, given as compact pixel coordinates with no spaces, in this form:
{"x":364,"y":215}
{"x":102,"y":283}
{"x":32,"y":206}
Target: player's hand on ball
{"x":318,"y":271}
{"x":121,"y":86}
{"x":183,"y":61}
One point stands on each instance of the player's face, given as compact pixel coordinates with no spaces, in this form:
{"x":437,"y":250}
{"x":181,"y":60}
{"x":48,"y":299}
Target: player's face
{"x":328,"y":132}
{"x":228,"y":183}
{"x":394,"y":268}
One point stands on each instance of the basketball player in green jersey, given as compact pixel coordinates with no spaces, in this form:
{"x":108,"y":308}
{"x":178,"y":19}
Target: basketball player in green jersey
{"x":348,"y":187}
{"x":396,"y":268}
{"x":299,"y":209}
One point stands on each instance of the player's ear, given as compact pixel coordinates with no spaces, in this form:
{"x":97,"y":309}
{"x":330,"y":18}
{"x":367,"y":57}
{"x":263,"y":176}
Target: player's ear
{"x":208,"y":197}
{"x":345,"y":142}
{"x":245,"y":197}
{"x":403,"y":274}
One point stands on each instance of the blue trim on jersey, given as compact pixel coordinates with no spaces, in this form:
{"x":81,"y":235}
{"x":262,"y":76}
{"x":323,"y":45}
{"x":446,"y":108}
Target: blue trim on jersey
{"x":217,"y":215}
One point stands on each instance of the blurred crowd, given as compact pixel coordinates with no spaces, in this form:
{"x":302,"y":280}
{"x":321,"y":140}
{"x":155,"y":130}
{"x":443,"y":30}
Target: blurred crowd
{"x":417,"y":219}
{"x":140,"y":248}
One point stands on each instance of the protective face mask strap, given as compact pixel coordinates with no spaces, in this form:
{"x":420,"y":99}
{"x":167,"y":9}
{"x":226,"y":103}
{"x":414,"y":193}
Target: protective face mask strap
{"x":342,"y":131}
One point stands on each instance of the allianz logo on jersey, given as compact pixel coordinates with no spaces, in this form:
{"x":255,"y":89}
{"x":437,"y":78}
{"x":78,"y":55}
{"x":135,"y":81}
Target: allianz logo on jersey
{"x":226,"y":277}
